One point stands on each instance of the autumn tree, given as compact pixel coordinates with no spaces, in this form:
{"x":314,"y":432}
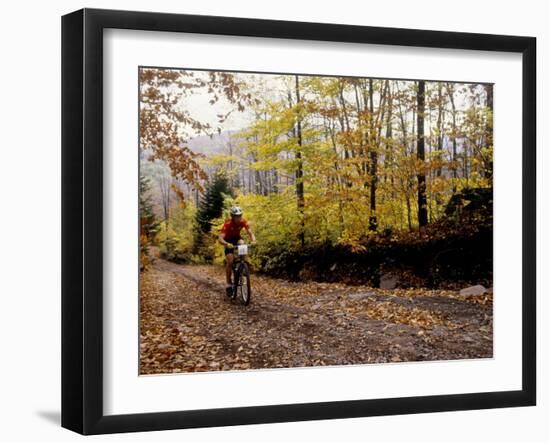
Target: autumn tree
{"x":164,"y":125}
{"x":334,"y":160}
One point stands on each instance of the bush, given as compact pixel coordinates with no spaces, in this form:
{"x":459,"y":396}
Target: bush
{"x":422,"y":258}
{"x":175,"y":239}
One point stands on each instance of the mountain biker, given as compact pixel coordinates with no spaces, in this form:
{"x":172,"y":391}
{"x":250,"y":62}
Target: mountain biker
{"x":230,"y":236}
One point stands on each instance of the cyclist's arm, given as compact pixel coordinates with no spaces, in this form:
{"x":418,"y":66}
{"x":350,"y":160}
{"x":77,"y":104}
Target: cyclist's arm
{"x":251,"y":235}
{"x":221,"y":239}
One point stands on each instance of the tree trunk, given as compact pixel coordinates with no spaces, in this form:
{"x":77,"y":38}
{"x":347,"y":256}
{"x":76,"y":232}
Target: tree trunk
{"x":389,"y":137}
{"x":420,"y":154}
{"x":409,"y":217}
{"x":450,"y":91}
{"x":489,"y":132}
{"x":439,"y":128}
{"x":299,"y":166}
{"x":373,"y":224}
{"x":165,"y":184}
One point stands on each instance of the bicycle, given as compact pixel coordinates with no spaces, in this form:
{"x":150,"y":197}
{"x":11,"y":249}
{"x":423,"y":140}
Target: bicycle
{"x":241,"y":275}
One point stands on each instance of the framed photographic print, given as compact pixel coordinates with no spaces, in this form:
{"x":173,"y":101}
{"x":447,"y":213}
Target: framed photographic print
{"x":269,"y":221}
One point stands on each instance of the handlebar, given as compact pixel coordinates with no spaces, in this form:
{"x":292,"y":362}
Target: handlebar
{"x":232,"y":246}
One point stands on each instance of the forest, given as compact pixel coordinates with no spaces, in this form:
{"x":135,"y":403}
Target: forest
{"x":343,"y":179}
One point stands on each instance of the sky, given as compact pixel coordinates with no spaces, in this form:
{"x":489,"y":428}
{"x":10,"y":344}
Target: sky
{"x":263,"y":85}
{"x":203,"y":111}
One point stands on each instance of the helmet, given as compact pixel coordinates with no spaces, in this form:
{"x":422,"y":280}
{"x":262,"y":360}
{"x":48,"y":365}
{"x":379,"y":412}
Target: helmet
{"x":236,"y":210}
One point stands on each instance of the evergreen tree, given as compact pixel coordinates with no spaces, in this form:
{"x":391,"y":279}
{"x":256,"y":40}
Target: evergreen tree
{"x":210,"y":207}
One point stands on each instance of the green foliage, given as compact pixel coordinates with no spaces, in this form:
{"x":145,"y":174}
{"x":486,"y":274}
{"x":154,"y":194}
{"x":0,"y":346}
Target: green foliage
{"x":176,"y":239}
{"x":445,"y":255}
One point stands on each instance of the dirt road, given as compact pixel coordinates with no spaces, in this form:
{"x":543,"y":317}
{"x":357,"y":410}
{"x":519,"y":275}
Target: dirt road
{"x":187,"y":323}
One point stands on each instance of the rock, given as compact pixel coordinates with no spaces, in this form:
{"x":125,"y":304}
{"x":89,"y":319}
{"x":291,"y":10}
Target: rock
{"x":361,"y":295}
{"x":388,"y":281}
{"x":473,"y":290}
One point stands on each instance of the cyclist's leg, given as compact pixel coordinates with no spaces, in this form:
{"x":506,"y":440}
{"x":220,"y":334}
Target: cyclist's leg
{"x":229,"y":258}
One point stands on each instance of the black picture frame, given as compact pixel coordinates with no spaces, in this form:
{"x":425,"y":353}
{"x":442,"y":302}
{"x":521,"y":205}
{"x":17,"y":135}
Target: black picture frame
{"x":82,"y":215}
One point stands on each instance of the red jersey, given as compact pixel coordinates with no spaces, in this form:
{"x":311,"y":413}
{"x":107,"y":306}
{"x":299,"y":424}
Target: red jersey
{"x":232,"y":230}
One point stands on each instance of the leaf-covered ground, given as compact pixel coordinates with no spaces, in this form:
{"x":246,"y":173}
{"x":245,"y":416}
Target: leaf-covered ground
{"x":187,"y":324}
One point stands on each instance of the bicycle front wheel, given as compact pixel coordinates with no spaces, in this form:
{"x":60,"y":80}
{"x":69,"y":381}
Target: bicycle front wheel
{"x":244,"y":285}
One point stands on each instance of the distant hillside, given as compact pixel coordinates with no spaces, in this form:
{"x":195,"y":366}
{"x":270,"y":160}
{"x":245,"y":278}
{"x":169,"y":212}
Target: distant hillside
{"x":159,"y":173}
{"x":210,"y":145}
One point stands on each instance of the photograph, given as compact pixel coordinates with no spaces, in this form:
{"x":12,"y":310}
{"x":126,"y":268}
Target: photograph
{"x":297,"y":220}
